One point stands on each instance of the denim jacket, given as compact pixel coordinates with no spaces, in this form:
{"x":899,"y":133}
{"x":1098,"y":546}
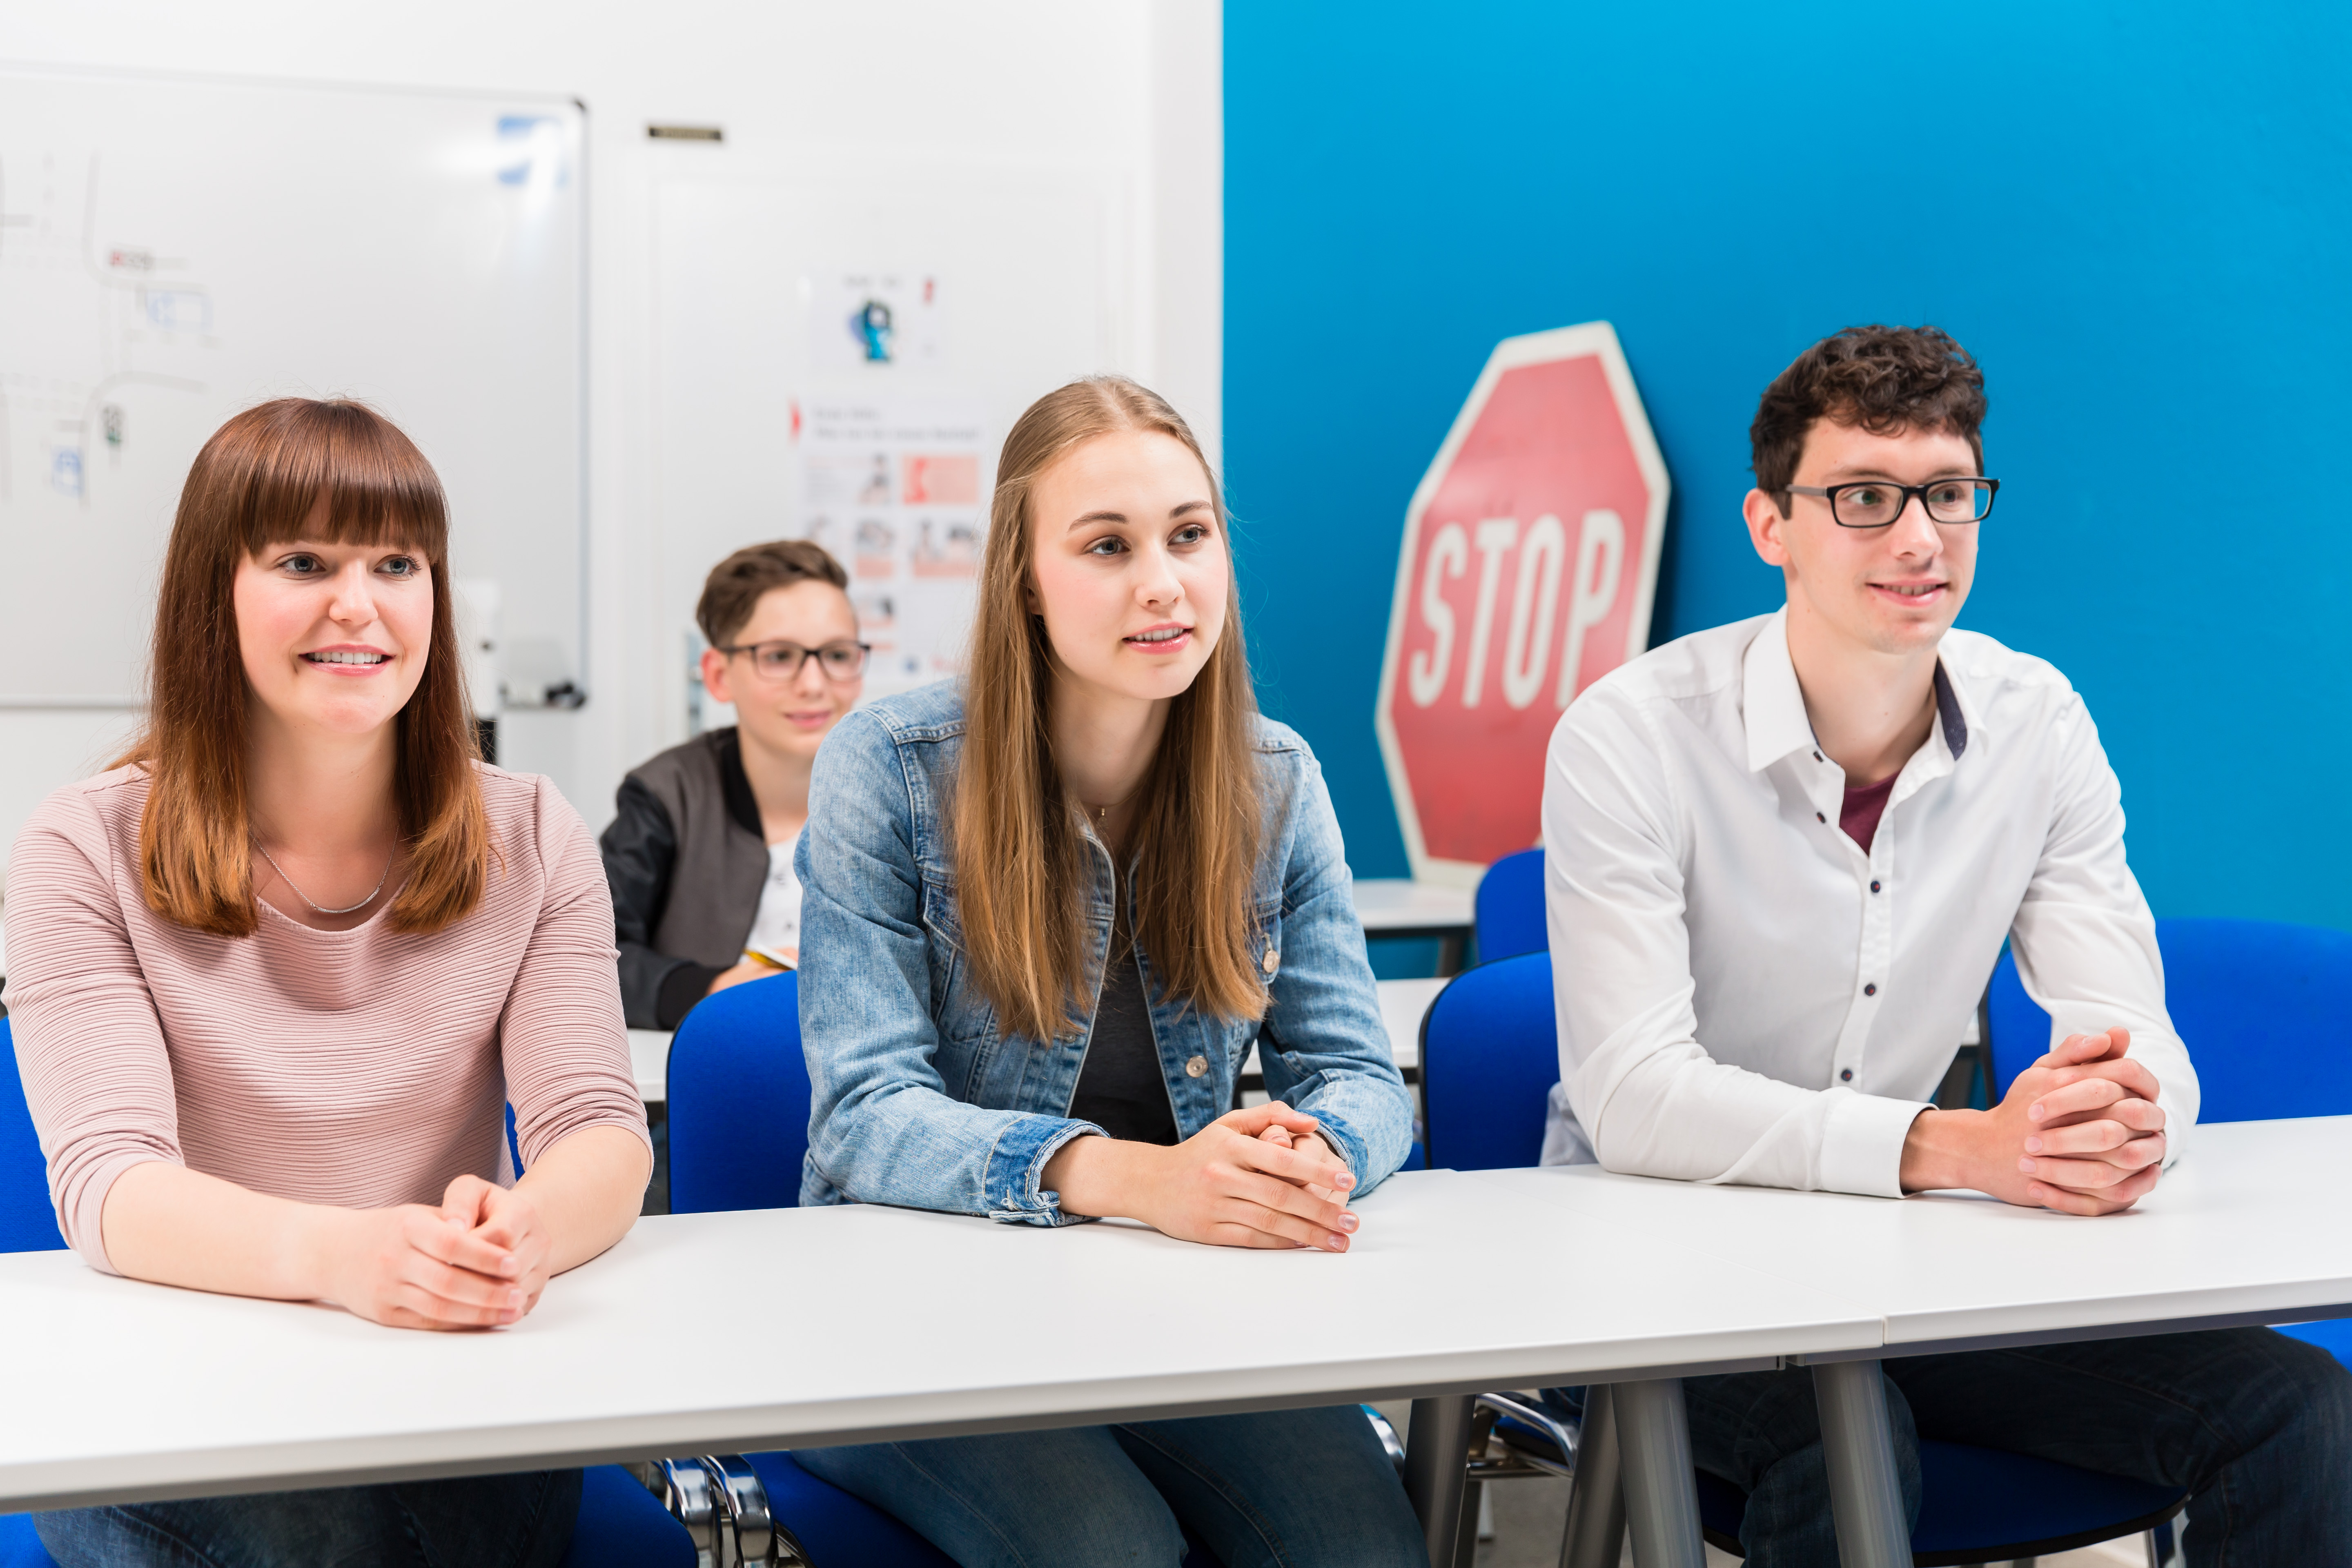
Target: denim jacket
{"x":918,"y":1099}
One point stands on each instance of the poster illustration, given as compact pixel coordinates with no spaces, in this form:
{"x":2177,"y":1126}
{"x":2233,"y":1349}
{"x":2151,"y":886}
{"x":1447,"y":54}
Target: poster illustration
{"x":896,"y":488}
{"x":874,"y":317}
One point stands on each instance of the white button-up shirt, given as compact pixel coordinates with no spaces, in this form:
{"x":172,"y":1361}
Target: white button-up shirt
{"x":1745,"y":995}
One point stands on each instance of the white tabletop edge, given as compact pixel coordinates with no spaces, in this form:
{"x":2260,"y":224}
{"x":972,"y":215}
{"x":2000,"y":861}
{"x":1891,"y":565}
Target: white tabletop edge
{"x":380,"y":1413}
{"x":2245,"y":1179}
{"x":63,"y":1483}
{"x":58,"y":1484}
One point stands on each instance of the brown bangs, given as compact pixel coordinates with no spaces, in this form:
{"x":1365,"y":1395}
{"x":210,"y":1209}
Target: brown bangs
{"x":378,"y":488}
{"x":257,"y":483}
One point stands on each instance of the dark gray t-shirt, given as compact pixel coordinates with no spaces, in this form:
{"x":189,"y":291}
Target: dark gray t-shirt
{"x":1122,"y":1089}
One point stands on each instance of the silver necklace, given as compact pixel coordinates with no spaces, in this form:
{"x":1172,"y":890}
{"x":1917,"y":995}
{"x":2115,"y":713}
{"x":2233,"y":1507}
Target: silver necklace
{"x":316,"y":908}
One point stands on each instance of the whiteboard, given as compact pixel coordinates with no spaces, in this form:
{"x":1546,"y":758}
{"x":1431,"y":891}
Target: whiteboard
{"x":1004,"y":284}
{"x":173,"y":249}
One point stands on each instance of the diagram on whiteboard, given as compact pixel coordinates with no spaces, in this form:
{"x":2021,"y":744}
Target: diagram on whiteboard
{"x":89,"y":317}
{"x":892,"y":488}
{"x":173,"y":251}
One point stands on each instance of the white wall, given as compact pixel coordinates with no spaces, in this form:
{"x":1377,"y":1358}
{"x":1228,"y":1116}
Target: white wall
{"x":1129,"y":89}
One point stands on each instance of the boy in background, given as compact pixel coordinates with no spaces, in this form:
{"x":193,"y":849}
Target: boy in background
{"x":700,"y":856}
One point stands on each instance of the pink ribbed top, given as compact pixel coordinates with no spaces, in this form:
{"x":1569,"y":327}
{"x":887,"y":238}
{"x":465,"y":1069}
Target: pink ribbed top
{"x":363,"y":1067}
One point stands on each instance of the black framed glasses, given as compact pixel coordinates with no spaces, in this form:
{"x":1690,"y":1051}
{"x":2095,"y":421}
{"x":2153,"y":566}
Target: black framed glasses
{"x":1877,"y":503}
{"x":781,"y":662}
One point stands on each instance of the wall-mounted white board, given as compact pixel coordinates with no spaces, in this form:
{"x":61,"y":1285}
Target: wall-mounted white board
{"x":173,"y":249}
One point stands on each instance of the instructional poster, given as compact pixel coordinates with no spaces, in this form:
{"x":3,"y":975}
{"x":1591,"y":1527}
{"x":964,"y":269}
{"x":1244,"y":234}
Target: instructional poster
{"x":896,"y":488}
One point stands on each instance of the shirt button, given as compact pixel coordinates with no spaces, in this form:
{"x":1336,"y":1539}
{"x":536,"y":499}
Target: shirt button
{"x":1845,"y":1075}
{"x":1270,"y":961}
{"x":1870,"y":990}
{"x":1198,"y":1067}
{"x":1819,"y":818}
{"x":1873,"y":887}
{"x":1817,"y":756}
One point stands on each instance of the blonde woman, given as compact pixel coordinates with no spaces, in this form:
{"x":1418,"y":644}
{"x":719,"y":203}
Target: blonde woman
{"x":276,"y":976}
{"x":1045,"y":916}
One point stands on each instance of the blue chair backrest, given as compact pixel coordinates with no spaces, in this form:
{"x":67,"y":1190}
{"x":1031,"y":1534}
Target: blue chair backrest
{"x":28,"y":1223}
{"x":2265,"y":1008}
{"x":738,"y":1101}
{"x":1509,"y":909}
{"x":1489,"y":1056}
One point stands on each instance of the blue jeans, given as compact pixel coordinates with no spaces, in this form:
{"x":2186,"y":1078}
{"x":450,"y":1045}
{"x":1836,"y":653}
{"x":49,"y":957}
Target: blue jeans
{"x":2256,"y":1426}
{"x":1296,"y":1488}
{"x":482,"y":1522}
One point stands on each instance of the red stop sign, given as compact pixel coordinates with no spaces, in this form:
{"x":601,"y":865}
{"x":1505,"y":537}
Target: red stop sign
{"x":1531,"y":559}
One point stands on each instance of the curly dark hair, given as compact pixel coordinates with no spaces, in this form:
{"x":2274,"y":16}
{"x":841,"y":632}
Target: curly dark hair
{"x":1885,"y":379}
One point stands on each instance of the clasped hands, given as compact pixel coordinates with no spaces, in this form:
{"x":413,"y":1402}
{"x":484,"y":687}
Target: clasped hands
{"x":478,"y":1259}
{"x":2079,"y":1132}
{"x":1258,"y":1177}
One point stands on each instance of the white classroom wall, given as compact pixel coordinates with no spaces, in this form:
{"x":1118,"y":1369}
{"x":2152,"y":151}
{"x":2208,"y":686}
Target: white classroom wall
{"x":1129,"y":91}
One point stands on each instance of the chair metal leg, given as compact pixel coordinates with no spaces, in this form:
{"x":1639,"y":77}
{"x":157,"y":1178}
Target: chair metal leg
{"x":1661,"y":1500}
{"x":1858,"y":1446}
{"x":1596,"y":1506}
{"x":1436,"y":1447}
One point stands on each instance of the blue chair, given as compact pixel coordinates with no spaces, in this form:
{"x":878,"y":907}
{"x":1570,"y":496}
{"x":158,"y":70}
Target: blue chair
{"x":738,"y":1101}
{"x":1489,"y":1057}
{"x":621,"y":1524}
{"x":739,"y":1115}
{"x":2262,"y":1005}
{"x":1508,"y":909}
{"x":2266,"y":1008}
{"x":27,"y":1224}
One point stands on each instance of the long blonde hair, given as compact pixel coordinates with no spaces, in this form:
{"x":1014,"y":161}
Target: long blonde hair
{"x":1020,"y":851}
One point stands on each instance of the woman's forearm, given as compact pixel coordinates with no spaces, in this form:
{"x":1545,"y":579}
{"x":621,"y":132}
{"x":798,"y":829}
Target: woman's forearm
{"x":589,"y":1189}
{"x":171,"y":1226}
{"x":167,"y":1223}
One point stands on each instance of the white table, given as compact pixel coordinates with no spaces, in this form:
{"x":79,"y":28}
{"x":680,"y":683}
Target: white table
{"x":1399,"y":906}
{"x":2246,"y":1228}
{"x":649,"y":1056}
{"x":800,"y":1327}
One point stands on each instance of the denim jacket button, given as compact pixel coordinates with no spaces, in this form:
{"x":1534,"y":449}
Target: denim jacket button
{"x":1198,"y":1067}
{"x":1271,"y":962}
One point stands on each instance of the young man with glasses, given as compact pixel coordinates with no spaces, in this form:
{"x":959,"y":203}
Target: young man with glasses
{"x":700,"y":856}
{"x":1782,"y":858}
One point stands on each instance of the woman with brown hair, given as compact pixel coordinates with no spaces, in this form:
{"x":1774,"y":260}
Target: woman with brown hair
{"x":275,"y":977}
{"x":1046,"y":915}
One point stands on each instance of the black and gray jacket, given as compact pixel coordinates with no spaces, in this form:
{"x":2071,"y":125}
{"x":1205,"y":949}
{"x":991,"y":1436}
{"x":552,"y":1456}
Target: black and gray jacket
{"x":688,"y":860}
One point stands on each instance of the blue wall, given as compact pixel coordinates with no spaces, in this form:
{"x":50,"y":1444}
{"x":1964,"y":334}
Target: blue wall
{"x":2138,"y":218}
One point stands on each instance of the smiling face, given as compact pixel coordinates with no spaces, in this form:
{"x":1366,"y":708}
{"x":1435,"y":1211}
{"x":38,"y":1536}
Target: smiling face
{"x":1130,"y":568}
{"x":1892,"y":590}
{"x":790,"y":715}
{"x":333,"y":636}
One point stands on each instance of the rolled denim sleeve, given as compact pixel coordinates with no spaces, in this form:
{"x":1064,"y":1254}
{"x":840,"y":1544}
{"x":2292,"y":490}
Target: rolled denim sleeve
{"x":1324,"y":1046}
{"x":882,"y":1126}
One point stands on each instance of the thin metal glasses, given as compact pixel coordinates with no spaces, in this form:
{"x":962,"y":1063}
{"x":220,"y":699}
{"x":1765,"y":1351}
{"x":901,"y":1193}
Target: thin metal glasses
{"x":782,"y":661}
{"x":1877,"y":503}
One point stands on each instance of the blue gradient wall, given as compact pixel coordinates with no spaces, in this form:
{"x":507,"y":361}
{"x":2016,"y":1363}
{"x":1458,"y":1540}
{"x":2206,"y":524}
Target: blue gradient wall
{"x":2138,"y":217}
